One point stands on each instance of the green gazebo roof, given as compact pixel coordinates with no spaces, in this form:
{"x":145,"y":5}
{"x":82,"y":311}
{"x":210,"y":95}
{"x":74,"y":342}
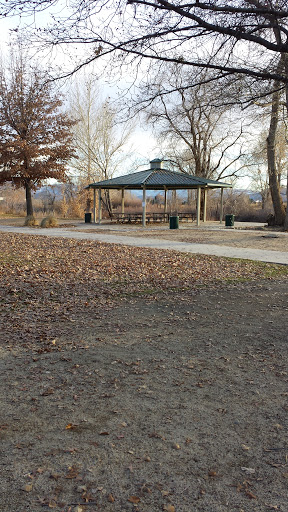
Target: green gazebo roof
{"x":157,"y":178}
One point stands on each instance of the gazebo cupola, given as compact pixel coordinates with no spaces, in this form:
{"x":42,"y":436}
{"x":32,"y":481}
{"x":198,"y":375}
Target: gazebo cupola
{"x":157,"y":163}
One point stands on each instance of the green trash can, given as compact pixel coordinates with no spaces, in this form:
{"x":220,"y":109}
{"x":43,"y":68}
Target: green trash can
{"x":174,"y":222}
{"x":229,"y":220}
{"x":88,"y":217}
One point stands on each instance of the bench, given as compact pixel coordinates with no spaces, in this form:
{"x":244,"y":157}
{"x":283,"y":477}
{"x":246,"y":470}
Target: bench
{"x":130,"y":218}
{"x":187,"y":216}
{"x":127,"y":217}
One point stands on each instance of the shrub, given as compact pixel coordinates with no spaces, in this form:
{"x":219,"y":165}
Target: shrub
{"x":49,"y":222}
{"x":31,"y":221}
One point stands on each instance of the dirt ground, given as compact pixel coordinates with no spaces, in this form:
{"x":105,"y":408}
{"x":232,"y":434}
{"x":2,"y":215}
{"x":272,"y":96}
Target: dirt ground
{"x":267,"y":239}
{"x":173,"y":400}
{"x":246,"y":235}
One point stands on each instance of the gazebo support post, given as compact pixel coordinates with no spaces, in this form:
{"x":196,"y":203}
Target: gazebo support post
{"x":94,"y":205}
{"x":174,"y":202}
{"x":99,"y":207}
{"x":144,"y":208}
{"x":165,"y":200}
{"x":122,"y":201}
{"x":221,"y":207}
{"x":205,"y":204}
{"x":198,"y":206}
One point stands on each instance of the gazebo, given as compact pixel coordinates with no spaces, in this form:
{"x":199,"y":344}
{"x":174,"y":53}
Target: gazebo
{"x":158,"y":178}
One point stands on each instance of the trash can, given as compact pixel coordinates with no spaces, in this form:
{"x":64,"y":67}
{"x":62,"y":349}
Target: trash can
{"x":88,"y":218}
{"x":229,"y":220}
{"x":174,"y":222}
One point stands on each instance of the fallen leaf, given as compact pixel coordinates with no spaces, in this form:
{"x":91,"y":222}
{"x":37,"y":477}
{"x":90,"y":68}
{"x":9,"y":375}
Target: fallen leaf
{"x":55,"y":476}
{"x":134,"y":499}
{"x":72,"y":472}
{"x":28,"y":487}
{"x":111,"y":498}
{"x":71,"y":426}
{"x":248,"y":471}
{"x":48,"y":391}
{"x":250,"y":495}
{"x":169,"y":508}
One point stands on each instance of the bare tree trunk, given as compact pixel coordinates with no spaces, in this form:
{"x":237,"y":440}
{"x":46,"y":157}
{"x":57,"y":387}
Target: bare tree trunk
{"x":286,"y":98}
{"x":29,"y":206}
{"x":107,"y":203}
{"x":278,"y":205}
{"x":286,"y":216}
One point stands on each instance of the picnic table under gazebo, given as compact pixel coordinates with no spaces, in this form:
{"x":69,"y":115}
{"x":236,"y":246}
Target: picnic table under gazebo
{"x":157,"y":178}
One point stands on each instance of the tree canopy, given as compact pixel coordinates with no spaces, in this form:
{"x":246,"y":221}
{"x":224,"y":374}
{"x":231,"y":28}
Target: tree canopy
{"x":245,"y":37}
{"x":35,"y":134}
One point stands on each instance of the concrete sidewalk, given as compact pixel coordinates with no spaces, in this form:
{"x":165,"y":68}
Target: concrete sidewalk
{"x":208,"y":249}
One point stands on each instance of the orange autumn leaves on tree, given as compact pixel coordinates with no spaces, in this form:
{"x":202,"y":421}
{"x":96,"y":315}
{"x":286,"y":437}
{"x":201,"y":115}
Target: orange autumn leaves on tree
{"x":35,"y":133}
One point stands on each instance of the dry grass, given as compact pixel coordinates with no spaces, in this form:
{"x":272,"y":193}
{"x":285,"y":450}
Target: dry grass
{"x":31,"y":221}
{"x":49,"y":222}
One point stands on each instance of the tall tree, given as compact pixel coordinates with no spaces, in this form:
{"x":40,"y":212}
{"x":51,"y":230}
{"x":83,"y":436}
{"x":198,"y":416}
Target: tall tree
{"x":35,"y":134}
{"x":198,"y":136}
{"x":274,"y":184}
{"x":267,"y":158}
{"x":101,"y":141}
{"x":257,"y":163}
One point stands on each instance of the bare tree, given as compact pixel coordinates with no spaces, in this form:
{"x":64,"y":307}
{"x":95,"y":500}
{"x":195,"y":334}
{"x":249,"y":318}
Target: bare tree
{"x":196,"y":135}
{"x":257,"y":162}
{"x":267,"y":159}
{"x":279,"y":209}
{"x":168,"y":30}
{"x":84,"y":102}
{"x":101,"y":141}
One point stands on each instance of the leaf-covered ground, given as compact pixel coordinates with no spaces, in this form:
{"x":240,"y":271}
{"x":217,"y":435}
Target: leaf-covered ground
{"x":136,"y":379}
{"x":52,"y":280}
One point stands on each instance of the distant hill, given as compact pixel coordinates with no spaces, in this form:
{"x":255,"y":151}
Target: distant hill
{"x":55,"y":190}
